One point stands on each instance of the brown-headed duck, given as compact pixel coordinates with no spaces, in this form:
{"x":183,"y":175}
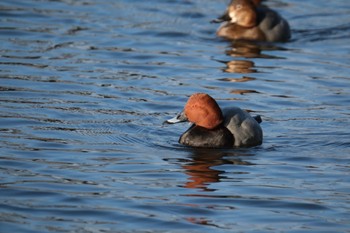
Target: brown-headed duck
{"x":213,"y":128}
{"x":249,"y":20}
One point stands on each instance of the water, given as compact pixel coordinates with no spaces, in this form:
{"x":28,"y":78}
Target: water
{"x":86,"y":85}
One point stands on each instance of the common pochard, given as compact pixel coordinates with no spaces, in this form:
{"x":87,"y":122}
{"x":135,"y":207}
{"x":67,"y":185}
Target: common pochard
{"x":231,"y":127}
{"x":249,"y":20}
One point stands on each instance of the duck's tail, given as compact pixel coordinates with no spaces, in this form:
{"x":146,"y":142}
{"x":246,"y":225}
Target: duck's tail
{"x":258,"y":118}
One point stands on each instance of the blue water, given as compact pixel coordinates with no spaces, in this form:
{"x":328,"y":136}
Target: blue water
{"x":85,"y":87}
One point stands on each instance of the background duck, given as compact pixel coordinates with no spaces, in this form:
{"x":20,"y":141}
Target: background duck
{"x":249,"y":20}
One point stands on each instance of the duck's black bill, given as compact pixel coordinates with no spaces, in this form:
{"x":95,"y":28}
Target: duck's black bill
{"x":225,"y":17}
{"x":181,"y":117}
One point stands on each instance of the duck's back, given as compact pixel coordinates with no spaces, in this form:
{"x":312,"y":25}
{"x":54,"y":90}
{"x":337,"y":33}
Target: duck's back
{"x":274,"y":27}
{"x":245,"y":129}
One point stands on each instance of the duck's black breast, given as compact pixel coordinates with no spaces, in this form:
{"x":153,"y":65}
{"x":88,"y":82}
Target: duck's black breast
{"x":198,"y":136}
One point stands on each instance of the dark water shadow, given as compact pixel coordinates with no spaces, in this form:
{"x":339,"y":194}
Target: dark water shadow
{"x":341,"y":31}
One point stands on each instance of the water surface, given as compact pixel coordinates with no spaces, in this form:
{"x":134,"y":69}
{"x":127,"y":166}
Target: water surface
{"x":86,"y":85}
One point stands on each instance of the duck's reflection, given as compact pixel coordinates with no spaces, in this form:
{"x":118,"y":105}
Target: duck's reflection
{"x":241,"y":50}
{"x":244,"y":49}
{"x":242,"y":54}
{"x":240,"y":66}
{"x":249,"y":49}
{"x":203,"y":169}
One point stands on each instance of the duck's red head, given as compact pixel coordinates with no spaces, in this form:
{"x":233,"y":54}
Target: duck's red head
{"x":202,"y":110}
{"x":243,"y":12}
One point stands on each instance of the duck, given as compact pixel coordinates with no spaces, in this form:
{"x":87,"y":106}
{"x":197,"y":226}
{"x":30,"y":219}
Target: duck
{"x":215,"y":128}
{"x":251,"y":21}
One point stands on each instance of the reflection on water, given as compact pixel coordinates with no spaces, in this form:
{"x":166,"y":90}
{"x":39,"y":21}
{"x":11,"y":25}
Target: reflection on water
{"x":201,"y":171}
{"x":241,"y":79}
{"x":240,"y":66}
{"x":251,"y":50}
{"x":86,"y":85}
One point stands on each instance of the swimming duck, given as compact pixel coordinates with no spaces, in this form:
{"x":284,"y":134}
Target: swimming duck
{"x":231,"y":127}
{"x":249,"y":20}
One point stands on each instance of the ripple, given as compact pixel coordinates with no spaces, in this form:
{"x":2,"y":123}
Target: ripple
{"x":85,"y":88}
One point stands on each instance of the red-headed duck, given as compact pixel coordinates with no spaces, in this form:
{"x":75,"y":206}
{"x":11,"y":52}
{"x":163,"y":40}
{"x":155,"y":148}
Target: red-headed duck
{"x":232,"y":127}
{"x":248,"y":20}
